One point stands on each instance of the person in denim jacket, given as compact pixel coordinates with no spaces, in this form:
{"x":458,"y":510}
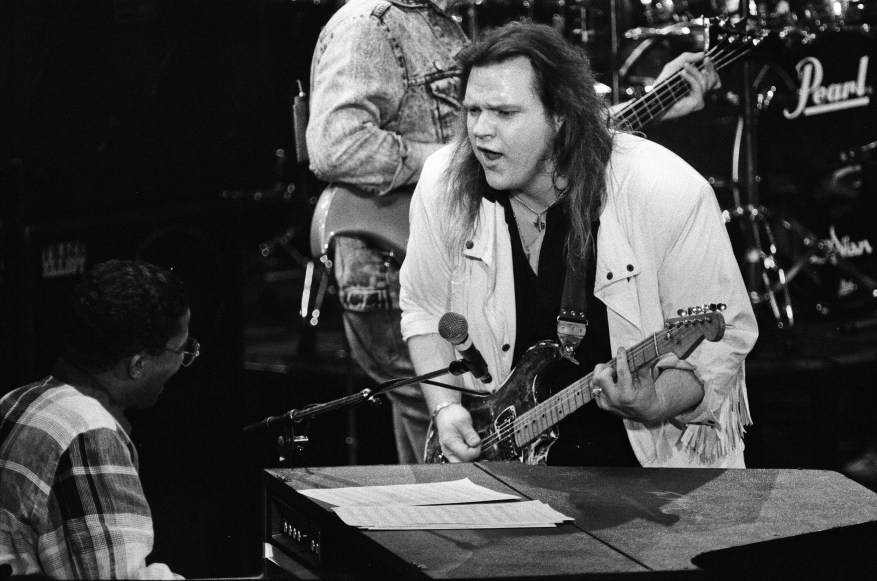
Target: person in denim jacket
{"x":384,"y":97}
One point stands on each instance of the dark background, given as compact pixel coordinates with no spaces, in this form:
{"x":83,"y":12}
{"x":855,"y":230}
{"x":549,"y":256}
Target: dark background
{"x":160,"y":129}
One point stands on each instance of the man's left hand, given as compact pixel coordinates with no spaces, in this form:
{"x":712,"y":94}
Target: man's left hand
{"x":631,"y":396}
{"x":700,"y":80}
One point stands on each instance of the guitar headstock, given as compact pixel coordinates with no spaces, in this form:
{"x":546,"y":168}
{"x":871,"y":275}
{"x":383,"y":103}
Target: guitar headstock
{"x":683,"y":334}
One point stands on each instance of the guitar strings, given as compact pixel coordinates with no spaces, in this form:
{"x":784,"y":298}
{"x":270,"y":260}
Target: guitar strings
{"x":674,"y":87}
{"x":677,"y":86}
{"x":503,"y":432}
{"x":563,"y":398}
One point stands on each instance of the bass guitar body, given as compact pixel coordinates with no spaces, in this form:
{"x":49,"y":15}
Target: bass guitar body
{"x":382,"y":220}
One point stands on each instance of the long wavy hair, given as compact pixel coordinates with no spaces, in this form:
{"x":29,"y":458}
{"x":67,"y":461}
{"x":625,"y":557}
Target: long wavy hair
{"x":581,"y":148}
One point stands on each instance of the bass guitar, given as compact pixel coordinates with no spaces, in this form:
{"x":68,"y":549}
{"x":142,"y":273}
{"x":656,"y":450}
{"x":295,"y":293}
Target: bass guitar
{"x":383,"y":220}
{"x":514,"y":426}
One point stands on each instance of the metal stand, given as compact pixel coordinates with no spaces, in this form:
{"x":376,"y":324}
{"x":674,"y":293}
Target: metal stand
{"x":767,"y":280}
{"x":283,"y":430}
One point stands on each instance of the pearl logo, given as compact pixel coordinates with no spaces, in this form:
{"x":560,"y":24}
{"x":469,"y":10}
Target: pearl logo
{"x":816,"y":99}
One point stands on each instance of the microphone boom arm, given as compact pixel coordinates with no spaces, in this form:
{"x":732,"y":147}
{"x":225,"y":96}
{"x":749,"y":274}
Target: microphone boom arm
{"x":287,"y":440}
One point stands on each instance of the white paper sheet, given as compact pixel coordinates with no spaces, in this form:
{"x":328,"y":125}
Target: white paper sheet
{"x":502,"y":515}
{"x":454,"y":492}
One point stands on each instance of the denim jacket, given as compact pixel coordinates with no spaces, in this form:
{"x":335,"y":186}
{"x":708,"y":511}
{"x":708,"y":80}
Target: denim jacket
{"x":384,"y":87}
{"x":384,"y":96}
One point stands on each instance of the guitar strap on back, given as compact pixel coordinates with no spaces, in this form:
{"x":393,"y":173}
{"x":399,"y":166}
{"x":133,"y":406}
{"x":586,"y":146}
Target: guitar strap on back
{"x":572,"y":322}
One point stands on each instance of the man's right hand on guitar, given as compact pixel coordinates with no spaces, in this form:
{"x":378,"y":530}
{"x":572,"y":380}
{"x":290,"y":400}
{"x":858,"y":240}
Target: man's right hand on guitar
{"x":459,"y":440}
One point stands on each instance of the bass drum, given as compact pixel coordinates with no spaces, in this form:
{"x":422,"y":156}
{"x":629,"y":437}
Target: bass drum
{"x":816,"y":134}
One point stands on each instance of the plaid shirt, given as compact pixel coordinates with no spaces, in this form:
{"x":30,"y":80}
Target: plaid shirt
{"x":71,"y":503}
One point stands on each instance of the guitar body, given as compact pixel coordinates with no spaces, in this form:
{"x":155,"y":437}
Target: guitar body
{"x":497,"y":412}
{"x":381,"y":220}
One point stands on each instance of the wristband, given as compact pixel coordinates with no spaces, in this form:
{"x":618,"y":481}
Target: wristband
{"x":440,"y":407}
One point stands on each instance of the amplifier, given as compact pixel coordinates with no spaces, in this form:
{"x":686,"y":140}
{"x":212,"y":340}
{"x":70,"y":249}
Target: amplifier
{"x":629,"y":523}
{"x":312,"y":536}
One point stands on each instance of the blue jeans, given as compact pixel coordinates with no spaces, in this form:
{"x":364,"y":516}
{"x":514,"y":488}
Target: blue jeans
{"x":368,"y":282}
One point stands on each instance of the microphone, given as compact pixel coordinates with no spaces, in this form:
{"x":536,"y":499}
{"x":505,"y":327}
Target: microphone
{"x":455,"y":330}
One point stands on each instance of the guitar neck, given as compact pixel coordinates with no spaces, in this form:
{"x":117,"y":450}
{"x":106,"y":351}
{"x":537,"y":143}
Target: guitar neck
{"x":547,"y":414}
{"x":663,"y":96}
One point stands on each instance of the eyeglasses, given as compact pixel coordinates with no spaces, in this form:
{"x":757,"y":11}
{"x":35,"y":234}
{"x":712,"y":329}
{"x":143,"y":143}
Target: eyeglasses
{"x":190,"y":351}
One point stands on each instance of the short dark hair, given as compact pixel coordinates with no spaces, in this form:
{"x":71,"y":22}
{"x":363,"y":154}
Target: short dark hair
{"x":564,"y":82}
{"x":120,"y":308}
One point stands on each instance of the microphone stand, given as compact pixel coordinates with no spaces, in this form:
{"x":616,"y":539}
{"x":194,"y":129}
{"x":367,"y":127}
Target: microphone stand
{"x":282,"y":428}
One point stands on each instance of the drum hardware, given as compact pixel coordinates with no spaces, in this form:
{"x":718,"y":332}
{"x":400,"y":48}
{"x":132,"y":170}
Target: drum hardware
{"x":685,"y":29}
{"x":859,"y":154}
{"x":573,"y":18}
{"x":651,"y":36}
{"x":776,"y":249}
{"x":615,"y":79}
{"x":772,"y":236}
{"x":657,"y":11}
{"x":586,"y":31}
{"x":766,"y":280}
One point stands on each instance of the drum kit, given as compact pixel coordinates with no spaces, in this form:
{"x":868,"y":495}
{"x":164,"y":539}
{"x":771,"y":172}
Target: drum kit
{"x":802,"y":128}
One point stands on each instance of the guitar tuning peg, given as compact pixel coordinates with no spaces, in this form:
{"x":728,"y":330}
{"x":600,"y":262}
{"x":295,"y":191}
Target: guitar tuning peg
{"x":722,"y":306}
{"x":681,"y":312}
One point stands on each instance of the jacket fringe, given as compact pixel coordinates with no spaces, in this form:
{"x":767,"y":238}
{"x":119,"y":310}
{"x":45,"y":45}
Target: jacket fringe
{"x":706,"y":444}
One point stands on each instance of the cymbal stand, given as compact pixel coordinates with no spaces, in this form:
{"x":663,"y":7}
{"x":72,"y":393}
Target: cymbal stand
{"x":765,"y":279}
{"x":613,"y":51}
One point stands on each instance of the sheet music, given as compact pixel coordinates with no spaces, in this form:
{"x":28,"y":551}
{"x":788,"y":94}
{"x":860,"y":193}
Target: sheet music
{"x":502,"y":515}
{"x":453,"y":492}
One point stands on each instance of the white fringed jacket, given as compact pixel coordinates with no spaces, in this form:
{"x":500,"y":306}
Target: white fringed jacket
{"x":661,"y":246}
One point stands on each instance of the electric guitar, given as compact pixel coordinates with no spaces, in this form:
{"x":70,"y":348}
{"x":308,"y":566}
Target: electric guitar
{"x":514,"y":426}
{"x":384,"y":219}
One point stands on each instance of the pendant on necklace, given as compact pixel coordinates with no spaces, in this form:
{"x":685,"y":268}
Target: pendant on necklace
{"x":539,"y":224}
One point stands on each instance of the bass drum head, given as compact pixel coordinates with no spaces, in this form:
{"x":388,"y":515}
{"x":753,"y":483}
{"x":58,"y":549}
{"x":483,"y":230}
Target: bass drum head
{"x":816,"y":165}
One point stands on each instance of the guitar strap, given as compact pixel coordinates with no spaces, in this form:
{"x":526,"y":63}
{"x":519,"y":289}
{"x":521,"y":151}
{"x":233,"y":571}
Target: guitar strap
{"x":572,"y":322}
